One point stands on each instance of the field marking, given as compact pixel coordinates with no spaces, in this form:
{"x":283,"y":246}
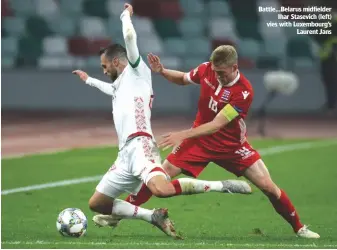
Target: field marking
{"x":57,"y":150}
{"x":176,"y":244}
{"x":52,"y":184}
{"x":263,"y":152}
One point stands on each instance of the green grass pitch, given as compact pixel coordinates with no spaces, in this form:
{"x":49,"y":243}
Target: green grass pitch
{"x":206,"y":221}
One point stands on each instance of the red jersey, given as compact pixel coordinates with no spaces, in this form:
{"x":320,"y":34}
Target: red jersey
{"x":213,"y":98}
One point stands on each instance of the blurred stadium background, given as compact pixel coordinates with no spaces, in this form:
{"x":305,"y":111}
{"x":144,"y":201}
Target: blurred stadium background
{"x":44,"y":40}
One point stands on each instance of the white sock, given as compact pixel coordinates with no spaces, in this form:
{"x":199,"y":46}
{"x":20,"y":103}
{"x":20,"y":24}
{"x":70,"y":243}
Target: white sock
{"x":194,"y":186}
{"x":129,"y":211}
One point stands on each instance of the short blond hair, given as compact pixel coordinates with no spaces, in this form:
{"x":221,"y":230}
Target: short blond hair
{"x":224,"y":54}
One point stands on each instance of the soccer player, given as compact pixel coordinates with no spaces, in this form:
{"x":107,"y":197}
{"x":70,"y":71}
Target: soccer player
{"x":219,"y":131}
{"x":138,"y":159}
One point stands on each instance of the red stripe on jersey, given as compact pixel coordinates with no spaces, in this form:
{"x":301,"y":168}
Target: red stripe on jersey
{"x":133,"y":135}
{"x":158,"y":169}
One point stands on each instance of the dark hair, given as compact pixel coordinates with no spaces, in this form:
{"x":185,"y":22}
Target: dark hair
{"x":113,"y":50}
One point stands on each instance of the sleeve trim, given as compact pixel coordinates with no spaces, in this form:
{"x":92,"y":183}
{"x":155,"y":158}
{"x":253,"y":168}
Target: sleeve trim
{"x":135,"y":65}
{"x":189,"y":79}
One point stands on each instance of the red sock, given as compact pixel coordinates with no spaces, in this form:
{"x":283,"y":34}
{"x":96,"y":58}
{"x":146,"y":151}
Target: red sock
{"x":143,"y":196}
{"x":177,"y":186}
{"x":144,"y":193}
{"x":286,"y":209}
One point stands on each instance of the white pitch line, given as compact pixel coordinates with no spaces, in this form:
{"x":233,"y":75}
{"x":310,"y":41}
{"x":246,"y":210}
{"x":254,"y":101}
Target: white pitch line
{"x":54,"y":151}
{"x":297,"y":146}
{"x":264,"y":152}
{"x":176,"y":244}
{"x":52,"y":184}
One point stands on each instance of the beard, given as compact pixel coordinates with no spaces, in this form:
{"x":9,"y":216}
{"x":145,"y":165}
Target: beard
{"x":113,"y":77}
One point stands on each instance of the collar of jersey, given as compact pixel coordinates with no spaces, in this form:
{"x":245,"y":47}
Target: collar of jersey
{"x":116,"y":83}
{"x":234,"y":81}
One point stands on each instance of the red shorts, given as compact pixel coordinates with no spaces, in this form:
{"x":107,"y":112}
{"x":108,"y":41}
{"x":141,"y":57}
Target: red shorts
{"x":192,"y":158}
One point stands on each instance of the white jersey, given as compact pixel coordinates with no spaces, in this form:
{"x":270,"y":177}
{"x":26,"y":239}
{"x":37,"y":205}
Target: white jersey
{"x":132,"y":103}
{"x":138,"y":158}
{"x":131,"y":92}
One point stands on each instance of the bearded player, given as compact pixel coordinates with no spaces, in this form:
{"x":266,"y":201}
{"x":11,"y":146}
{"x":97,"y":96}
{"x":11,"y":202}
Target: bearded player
{"x":219,"y":131}
{"x":138,"y":158}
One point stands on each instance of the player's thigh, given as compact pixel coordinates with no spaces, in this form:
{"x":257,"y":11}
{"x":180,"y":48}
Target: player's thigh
{"x":117,"y":179}
{"x":237,"y":160}
{"x":144,"y":159}
{"x":109,"y":185}
{"x":190,"y":157}
{"x":259,"y":175}
{"x":145,"y":165}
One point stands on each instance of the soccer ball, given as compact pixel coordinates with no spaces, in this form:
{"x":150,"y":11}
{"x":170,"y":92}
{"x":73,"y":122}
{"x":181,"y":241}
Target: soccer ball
{"x":72,"y":222}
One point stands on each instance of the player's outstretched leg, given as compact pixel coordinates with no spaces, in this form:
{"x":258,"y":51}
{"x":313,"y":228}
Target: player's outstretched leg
{"x":161,"y":187}
{"x":186,"y":186}
{"x":192,"y":186}
{"x":124,"y":210}
{"x":258,"y":174}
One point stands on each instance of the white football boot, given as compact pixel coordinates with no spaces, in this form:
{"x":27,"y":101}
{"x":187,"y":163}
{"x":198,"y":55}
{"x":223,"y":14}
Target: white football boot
{"x":236,"y":187}
{"x":102,"y":220}
{"x":304,"y":232}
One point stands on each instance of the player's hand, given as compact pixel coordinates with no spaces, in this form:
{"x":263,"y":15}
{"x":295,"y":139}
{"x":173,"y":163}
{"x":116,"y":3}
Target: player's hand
{"x":84,"y":76}
{"x":129,"y":7}
{"x":155,"y":63}
{"x":171,"y":140}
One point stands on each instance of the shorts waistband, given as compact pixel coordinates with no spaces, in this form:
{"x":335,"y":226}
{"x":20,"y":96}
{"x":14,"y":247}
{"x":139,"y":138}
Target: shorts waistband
{"x":137,"y":134}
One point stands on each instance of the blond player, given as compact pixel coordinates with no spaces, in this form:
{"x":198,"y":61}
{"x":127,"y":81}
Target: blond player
{"x":138,"y":159}
{"x":219,"y":131}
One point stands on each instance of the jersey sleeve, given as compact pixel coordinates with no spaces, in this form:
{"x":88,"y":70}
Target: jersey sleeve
{"x":238,"y":105}
{"x":196,"y":74}
{"x":241,"y":101}
{"x":105,"y":87}
{"x":130,"y":38}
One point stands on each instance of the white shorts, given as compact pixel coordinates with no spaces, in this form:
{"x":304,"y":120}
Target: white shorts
{"x":132,"y":168}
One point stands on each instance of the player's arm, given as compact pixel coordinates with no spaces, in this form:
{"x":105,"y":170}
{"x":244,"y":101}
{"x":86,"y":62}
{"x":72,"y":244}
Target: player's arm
{"x":102,"y":86}
{"x":130,"y":36}
{"x":225,"y":116}
{"x":238,"y":107}
{"x":174,"y":76}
